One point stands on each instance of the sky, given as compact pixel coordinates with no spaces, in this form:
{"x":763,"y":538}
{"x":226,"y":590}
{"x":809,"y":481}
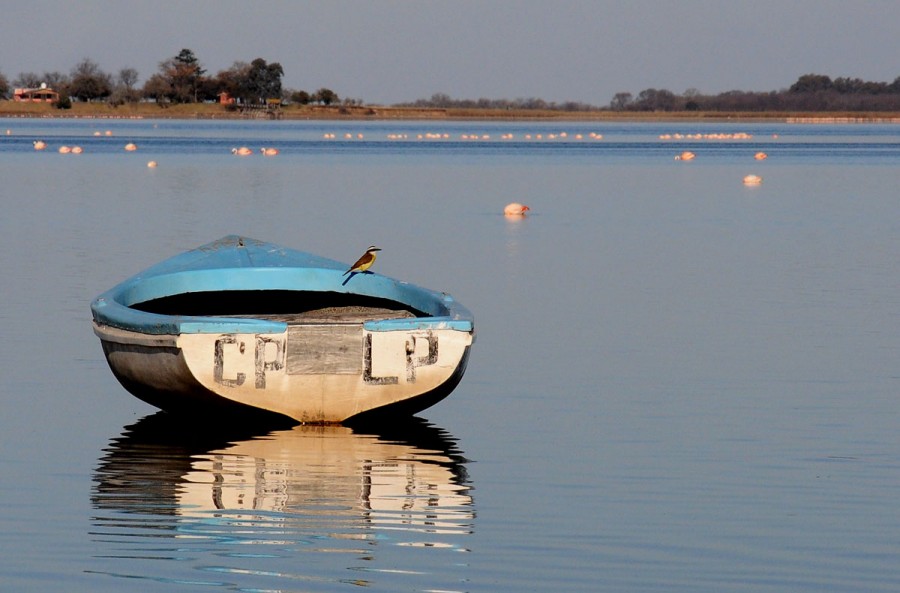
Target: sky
{"x":393,"y":51}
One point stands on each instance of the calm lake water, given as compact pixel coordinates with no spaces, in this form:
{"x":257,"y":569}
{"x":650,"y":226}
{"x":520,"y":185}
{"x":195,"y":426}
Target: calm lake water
{"x":680,"y":383}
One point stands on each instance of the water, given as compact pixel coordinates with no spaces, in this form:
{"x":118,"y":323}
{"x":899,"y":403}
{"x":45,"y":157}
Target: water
{"x":679,"y":383}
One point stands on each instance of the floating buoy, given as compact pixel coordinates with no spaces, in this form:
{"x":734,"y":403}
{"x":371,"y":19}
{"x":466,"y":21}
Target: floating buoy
{"x":752,"y":180}
{"x":760,"y":156}
{"x":515,"y":209}
{"x":152,"y":164}
{"x":131,"y":147}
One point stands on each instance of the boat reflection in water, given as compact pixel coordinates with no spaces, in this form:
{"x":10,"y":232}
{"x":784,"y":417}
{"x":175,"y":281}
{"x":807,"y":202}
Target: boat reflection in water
{"x":262,"y":500}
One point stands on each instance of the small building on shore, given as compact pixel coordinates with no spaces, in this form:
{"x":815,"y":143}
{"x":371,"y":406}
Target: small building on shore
{"x":43,"y":94}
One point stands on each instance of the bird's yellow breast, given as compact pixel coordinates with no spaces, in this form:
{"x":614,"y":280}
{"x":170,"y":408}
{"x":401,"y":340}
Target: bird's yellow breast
{"x":366,"y":263}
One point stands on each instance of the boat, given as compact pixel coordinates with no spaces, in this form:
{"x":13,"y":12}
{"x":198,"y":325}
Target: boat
{"x":241,"y":325}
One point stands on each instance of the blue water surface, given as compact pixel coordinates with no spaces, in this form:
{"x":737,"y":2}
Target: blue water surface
{"x":679,"y":383}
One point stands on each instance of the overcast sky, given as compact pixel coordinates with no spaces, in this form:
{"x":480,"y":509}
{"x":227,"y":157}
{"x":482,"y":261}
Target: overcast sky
{"x":389,"y":51}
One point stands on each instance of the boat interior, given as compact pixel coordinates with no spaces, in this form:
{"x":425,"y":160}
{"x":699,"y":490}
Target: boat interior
{"x":290,"y":306}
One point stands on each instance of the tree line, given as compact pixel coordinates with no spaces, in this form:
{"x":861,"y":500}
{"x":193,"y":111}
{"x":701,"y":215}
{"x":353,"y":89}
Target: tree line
{"x":811,"y":92}
{"x":182,"y":79}
{"x":179,"y":79}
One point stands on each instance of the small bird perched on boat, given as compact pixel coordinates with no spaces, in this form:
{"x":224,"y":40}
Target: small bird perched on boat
{"x":365,"y":262}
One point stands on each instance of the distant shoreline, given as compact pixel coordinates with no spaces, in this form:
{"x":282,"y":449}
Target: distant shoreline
{"x":10,"y":109}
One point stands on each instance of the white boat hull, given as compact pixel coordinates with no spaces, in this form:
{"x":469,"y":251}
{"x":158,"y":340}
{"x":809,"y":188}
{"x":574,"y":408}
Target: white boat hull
{"x":313,"y":373}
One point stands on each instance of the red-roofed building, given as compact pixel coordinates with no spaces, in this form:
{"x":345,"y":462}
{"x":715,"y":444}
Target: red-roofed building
{"x":38,"y":95}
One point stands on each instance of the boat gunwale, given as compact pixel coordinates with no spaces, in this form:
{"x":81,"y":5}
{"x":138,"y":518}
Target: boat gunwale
{"x":115,"y":307}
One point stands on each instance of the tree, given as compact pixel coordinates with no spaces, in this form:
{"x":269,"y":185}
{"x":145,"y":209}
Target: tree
{"x":27,"y":80}
{"x":300,"y":97}
{"x":64,"y":102}
{"x":326,"y":96}
{"x":534,"y":103}
{"x":263,"y":80}
{"x":811,"y":83}
{"x":656,"y":100}
{"x":894,"y":87}
{"x":89,"y":82}
{"x":440,"y":100}
{"x":128,"y":77}
{"x":56,"y":81}
{"x":231,"y":81}
{"x":4,"y":87}
{"x":124,"y":91}
{"x":159,"y":88}
{"x":208,"y":89}
{"x":183,"y":73}
{"x":621,"y":101}
{"x":252,"y":83}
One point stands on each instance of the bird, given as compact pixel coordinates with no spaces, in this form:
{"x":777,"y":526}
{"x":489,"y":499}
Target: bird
{"x":39,"y":145}
{"x":515,"y":209}
{"x":365,"y":262}
{"x":269,"y":151}
{"x":131,"y":147}
{"x":242,"y":151}
{"x":752,"y":180}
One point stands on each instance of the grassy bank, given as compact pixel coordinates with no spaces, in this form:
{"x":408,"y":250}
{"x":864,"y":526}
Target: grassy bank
{"x":299,"y":112}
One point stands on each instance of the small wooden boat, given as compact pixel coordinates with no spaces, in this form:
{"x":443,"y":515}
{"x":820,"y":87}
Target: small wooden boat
{"x":239,"y":325}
